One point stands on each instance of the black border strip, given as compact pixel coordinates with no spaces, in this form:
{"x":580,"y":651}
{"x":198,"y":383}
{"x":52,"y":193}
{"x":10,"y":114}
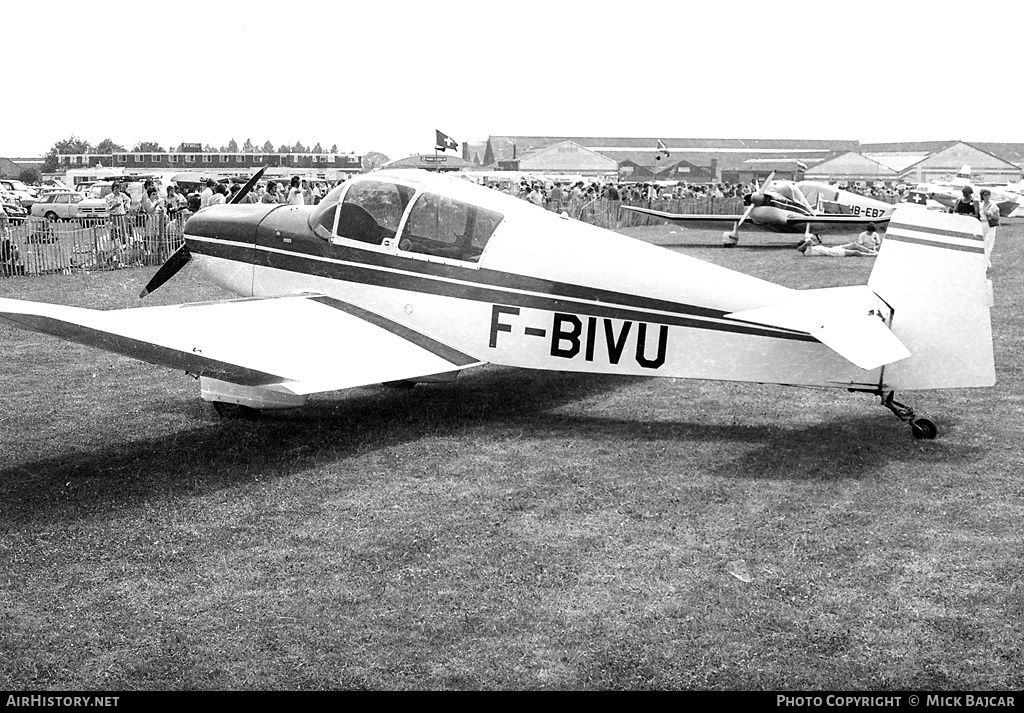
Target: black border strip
{"x":449,"y":354}
{"x":362,"y":273}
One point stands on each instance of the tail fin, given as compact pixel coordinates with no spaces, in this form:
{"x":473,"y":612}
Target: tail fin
{"x":931,"y":270}
{"x":963,"y":177}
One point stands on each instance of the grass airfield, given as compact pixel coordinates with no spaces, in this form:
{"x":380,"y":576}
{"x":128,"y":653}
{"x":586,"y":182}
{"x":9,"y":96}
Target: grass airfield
{"x":512,"y":530}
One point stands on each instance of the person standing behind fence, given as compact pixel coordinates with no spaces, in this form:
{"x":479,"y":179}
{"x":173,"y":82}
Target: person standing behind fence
{"x":207,"y":194}
{"x":10,"y":258}
{"x":220,"y":194}
{"x":295,"y":192}
{"x":6,"y":246}
{"x":147,"y":206}
{"x":271,"y":195}
{"x":118,"y":219}
{"x":172,"y":203}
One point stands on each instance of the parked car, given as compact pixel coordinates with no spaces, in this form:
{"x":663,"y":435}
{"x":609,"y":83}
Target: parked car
{"x":13,"y":208}
{"x":95,"y":204}
{"x":25,"y":195}
{"x":58,"y":205}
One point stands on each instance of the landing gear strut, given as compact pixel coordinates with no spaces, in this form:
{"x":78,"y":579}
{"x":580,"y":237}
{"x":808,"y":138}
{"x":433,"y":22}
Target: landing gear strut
{"x":922,"y":428}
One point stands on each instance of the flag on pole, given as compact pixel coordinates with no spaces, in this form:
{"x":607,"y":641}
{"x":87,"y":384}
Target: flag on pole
{"x":443,"y":142}
{"x":662,"y":149}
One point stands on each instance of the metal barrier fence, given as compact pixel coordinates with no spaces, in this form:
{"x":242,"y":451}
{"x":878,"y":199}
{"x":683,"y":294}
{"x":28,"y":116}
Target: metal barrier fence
{"x":606,"y":214}
{"x":41,"y":247}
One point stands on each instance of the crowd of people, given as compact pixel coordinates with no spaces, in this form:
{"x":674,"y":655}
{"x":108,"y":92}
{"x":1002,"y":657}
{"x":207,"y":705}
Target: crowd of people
{"x":555,"y":195}
{"x":158,"y":211}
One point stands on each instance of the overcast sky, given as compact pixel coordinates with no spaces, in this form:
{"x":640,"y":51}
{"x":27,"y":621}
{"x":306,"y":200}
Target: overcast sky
{"x":384,"y":76}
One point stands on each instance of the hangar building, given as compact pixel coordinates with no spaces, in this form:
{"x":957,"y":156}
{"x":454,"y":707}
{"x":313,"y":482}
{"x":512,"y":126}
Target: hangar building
{"x":917,"y":162}
{"x":682,"y":159}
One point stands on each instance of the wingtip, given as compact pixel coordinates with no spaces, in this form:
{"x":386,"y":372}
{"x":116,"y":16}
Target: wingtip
{"x":143,"y":293}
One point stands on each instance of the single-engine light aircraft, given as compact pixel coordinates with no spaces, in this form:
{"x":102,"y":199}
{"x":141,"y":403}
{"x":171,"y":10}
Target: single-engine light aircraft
{"x":408,"y":275}
{"x":947,"y":193}
{"x":781,"y":206}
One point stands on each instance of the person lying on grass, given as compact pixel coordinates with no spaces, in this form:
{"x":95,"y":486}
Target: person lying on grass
{"x":809,"y":247}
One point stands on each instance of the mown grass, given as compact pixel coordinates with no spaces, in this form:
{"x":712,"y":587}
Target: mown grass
{"x":511,"y":530}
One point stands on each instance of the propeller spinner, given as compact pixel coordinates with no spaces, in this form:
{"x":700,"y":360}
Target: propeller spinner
{"x":757,"y":198}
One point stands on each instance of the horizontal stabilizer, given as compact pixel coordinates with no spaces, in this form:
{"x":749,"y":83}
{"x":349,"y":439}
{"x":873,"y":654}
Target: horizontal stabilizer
{"x":852,"y":321}
{"x":297,"y":345}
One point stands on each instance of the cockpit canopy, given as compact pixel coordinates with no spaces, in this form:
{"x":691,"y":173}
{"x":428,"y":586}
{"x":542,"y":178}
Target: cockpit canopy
{"x":812,"y":191}
{"x":430,"y":219}
{"x":789,"y":191}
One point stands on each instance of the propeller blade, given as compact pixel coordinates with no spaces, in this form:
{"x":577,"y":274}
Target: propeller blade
{"x":249,"y":185}
{"x":746,"y":214}
{"x":768,"y":181}
{"x":178,"y":259}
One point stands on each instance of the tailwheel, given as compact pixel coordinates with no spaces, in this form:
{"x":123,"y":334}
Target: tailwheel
{"x":921,"y":428}
{"x":226,"y":410}
{"x":924,"y":429}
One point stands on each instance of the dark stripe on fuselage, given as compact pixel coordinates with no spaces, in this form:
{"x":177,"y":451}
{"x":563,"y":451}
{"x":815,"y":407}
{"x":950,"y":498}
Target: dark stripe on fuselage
{"x":491,"y":286}
{"x":302,"y":243}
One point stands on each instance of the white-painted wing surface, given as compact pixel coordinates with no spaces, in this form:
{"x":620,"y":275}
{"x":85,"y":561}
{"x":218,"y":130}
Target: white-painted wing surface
{"x":849,"y":320}
{"x":298,"y":345}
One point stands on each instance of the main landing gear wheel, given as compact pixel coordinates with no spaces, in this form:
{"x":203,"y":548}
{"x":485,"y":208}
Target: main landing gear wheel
{"x":226,"y":410}
{"x":921,"y":428}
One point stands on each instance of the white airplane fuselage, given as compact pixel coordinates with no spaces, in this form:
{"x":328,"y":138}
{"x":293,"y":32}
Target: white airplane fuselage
{"x":547,"y":293}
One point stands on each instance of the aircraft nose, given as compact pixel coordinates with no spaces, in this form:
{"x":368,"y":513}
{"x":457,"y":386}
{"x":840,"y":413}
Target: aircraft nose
{"x":236,"y":223}
{"x":757,"y":199}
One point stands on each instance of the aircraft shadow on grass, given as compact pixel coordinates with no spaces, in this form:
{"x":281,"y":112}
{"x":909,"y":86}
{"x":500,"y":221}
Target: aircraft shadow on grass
{"x":226,"y":453}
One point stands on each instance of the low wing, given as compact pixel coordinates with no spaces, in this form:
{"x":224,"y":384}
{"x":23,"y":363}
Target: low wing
{"x":693,"y":218}
{"x":300,"y":345}
{"x":852,"y":321}
{"x":854,"y":222}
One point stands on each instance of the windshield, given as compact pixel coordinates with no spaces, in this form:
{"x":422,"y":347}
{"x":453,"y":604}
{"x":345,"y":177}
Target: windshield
{"x":789,"y":190}
{"x":812,"y":191}
{"x":370,"y":212}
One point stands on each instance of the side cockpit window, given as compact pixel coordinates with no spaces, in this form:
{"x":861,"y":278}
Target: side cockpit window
{"x":445,"y":227}
{"x":372,"y":211}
